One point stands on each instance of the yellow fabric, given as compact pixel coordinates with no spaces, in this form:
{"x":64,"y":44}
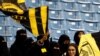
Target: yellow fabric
{"x":32,"y":19}
{"x":44,"y":17}
{"x":87,"y":46}
{"x":43,"y":50}
{"x":0,"y":6}
{"x":11,"y":7}
{"x":20,"y":1}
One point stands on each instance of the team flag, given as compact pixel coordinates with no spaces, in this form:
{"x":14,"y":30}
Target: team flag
{"x":89,"y":45}
{"x":13,"y":5}
{"x":33,"y":19}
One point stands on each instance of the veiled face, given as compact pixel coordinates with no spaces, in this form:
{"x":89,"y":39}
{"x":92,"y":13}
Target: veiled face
{"x":21,"y":34}
{"x":71,"y":51}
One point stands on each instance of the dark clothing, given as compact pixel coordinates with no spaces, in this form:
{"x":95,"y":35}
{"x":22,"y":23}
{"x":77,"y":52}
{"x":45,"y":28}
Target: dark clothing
{"x":30,"y":50}
{"x":97,"y":38}
{"x":63,"y":46}
{"x":22,"y":49}
{"x":54,"y":49}
{"x":40,"y":50}
{"x":19,"y":47}
{"x":16,"y":50}
{"x":3,"y":49}
{"x":29,"y":46}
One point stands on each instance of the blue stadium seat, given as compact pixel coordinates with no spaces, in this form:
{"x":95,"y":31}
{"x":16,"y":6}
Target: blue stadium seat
{"x":98,"y":16}
{"x":10,"y":41}
{"x":32,"y":3}
{"x":90,"y":17}
{"x":56,"y":24}
{"x":56,"y":14}
{"x":96,"y":1}
{"x":2,"y":21}
{"x":2,"y":30}
{"x":70,"y":33}
{"x":54,"y":5}
{"x":75,"y":25}
{"x":72,"y":15}
{"x":86,"y":7}
{"x":42,"y":2}
{"x":7,"y":21}
{"x":84,"y":1}
{"x":68,"y":0}
{"x":52,"y":0}
{"x":55,"y":34}
{"x":72,"y":6}
{"x":6,"y":31}
{"x":96,"y":7}
{"x":2,"y":14}
{"x":91,"y":26}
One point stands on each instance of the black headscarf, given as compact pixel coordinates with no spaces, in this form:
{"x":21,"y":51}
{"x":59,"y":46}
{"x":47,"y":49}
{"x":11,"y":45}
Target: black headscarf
{"x":3,"y":47}
{"x":62,"y":39}
{"x":76,"y":37}
{"x":21,"y":37}
{"x":63,"y":47}
{"x":1,"y":39}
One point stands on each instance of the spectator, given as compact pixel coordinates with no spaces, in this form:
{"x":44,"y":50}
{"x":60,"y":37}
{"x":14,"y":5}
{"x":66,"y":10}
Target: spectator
{"x":18,"y":48}
{"x":29,"y":46}
{"x":63,"y":43}
{"x":77,"y":36}
{"x":72,"y":50}
{"x":3,"y":47}
{"x":54,"y":49}
{"x":41,"y":47}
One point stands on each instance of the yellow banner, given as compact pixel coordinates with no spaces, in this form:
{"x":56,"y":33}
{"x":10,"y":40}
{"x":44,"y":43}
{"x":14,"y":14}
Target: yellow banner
{"x":12,"y":8}
{"x":87,"y":46}
{"x":38,"y":20}
{"x":34,"y":19}
{"x":20,"y":1}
